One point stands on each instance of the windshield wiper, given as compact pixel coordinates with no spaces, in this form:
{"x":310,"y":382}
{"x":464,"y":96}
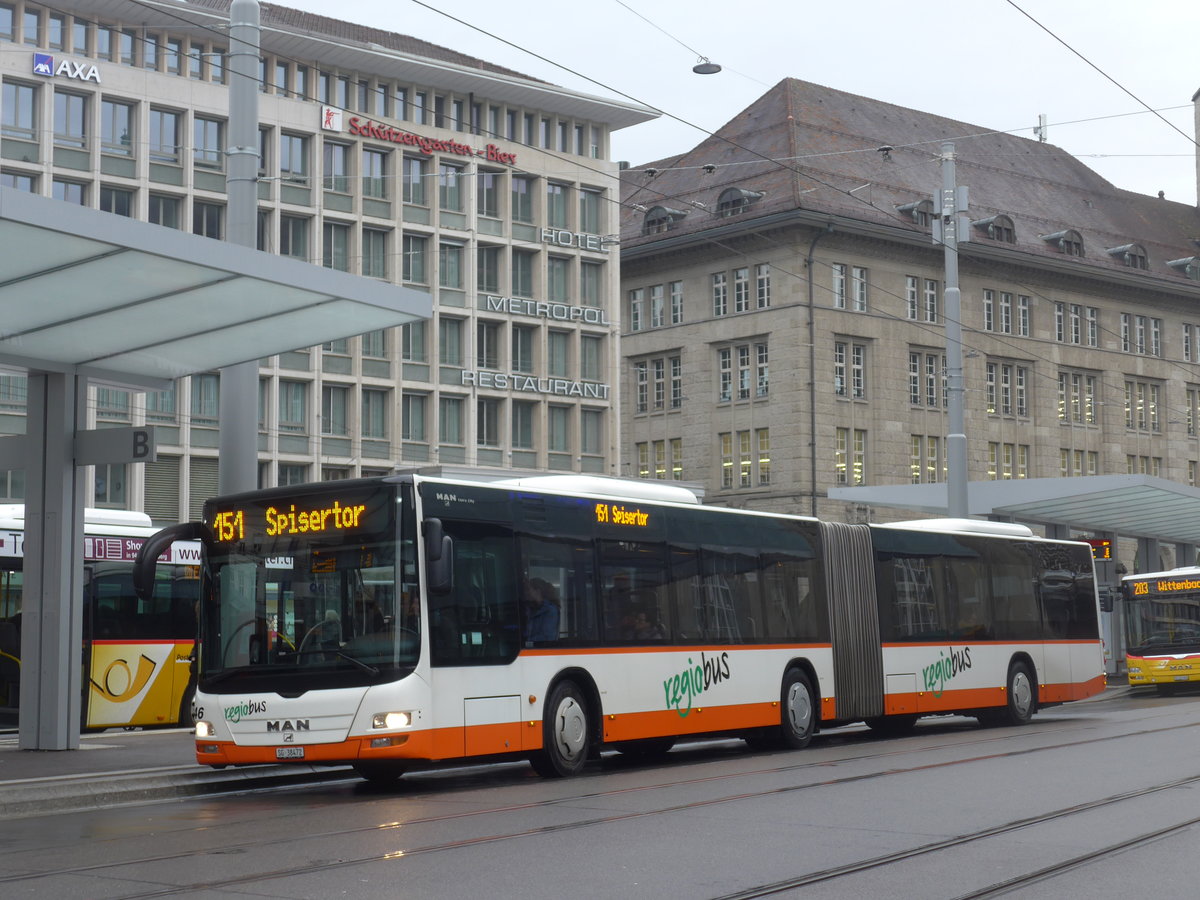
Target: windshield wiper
{"x":341,"y":654}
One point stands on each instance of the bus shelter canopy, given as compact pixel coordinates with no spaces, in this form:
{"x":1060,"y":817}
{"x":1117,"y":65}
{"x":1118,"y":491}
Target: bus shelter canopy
{"x":1132,"y":505}
{"x":127,"y":302}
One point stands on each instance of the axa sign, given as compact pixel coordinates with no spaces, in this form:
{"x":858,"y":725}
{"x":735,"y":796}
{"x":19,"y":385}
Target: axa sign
{"x":43,"y":64}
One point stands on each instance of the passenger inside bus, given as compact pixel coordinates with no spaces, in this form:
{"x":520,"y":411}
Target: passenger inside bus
{"x":541,"y":611}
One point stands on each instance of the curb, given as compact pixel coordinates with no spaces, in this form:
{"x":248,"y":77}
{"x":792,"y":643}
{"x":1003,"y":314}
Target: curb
{"x":72,"y":793}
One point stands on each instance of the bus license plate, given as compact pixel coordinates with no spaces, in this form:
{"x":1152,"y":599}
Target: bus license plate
{"x":289,"y":753}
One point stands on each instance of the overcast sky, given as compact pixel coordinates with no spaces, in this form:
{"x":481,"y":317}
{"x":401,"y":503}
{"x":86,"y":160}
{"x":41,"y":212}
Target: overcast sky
{"x":984,"y":62}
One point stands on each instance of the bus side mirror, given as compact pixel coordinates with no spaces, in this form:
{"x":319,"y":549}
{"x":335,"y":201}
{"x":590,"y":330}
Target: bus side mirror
{"x":146,"y":562}
{"x":439,"y":557}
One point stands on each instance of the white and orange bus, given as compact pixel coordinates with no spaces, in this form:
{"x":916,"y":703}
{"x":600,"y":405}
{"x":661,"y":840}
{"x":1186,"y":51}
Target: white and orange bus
{"x":136,"y":652}
{"x":396,"y":621}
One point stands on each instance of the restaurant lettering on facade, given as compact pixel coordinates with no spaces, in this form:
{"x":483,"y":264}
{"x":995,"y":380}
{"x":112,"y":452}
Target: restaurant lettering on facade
{"x":561,"y":387}
{"x":559,"y":312}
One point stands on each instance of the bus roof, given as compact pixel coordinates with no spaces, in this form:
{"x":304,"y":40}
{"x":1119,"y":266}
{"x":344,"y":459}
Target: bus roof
{"x":974,"y":526}
{"x":12,"y":515}
{"x":603,"y":486}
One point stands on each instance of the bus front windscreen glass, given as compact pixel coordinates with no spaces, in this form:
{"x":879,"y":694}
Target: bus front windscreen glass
{"x":1162,"y":615}
{"x":305,"y":585}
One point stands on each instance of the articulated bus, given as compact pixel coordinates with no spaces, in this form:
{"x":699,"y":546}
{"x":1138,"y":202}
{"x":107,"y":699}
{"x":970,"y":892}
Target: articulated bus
{"x":389,"y":623}
{"x":136,"y":652}
{"x":1162,"y":628}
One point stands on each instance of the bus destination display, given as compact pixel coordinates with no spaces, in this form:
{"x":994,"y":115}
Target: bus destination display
{"x":306,"y":516}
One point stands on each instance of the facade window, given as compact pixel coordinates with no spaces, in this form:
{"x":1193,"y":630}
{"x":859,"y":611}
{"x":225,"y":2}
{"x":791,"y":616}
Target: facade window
{"x":523,"y":413}
{"x":450,"y":181}
{"x":1143,"y":465}
{"x":487,"y":269}
{"x":998,"y":228}
{"x":838,"y":272}
{"x":675,"y":288}
{"x":487,"y":344}
{"x":414,"y":249}
{"x":1192,"y":413}
{"x":1006,"y":389}
{"x":337,"y":167}
{"x":1142,"y":405}
{"x":657,"y":310}
{"x":521,"y":207}
{"x":591,"y":431}
{"x":110,"y":486}
{"x":558,"y":428}
{"x":487,"y":194}
{"x":19,"y":182}
{"x":720,"y":294}
{"x":450,"y":266}
{"x":70,"y":119}
{"x":293,"y":236}
{"x":70,"y":192}
{"x":413,"y":341}
{"x":558,"y":362}
{"x":209,"y":143}
{"x":293,"y":158}
{"x":641,"y":372}
{"x":676,"y":364}
{"x":1141,"y":334}
{"x":19,"y":111}
{"x":745,"y":458}
{"x":335,"y":403}
{"x":450,"y":342}
{"x":591,"y":211}
{"x":116,"y":200}
{"x":450,"y":420}
{"x":164,"y":210}
{"x":858,"y":288}
{"x":335,"y":246}
{"x":556,"y":205}
{"x":1001,"y":316}
{"x":208,"y":219}
{"x":659,"y":369}
{"x":374,"y":173}
{"x":591,"y":281}
{"x":116,"y":128}
{"x":1077,"y":400}
{"x":1078,"y":463}
{"x":1007,"y":461}
{"x":374,"y":253}
{"x":762,"y":285}
{"x":558,"y":279}
{"x":849,"y":369}
{"x":293,"y":407}
{"x":412,"y":416}
{"x":487,"y":421}
{"x":591,"y":357}
{"x":522,"y":338}
{"x":850,"y":455}
{"x":164,"y":136}
{"x":741,"y":289}
{"x":206,"y":397}
{"x":1076,"y":324}
{"x":412,"y":182}
{"x":523,"y":262}
{"x":926,"y":465}
{"x":373,"y":421}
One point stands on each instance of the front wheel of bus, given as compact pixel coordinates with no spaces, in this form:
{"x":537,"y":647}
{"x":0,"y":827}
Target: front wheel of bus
{"x":379,"y":772}
{"x":564,"y":733}
{"x":799,"y":710}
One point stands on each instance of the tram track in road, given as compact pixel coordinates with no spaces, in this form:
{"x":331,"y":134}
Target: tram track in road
{"x":594,"y":821}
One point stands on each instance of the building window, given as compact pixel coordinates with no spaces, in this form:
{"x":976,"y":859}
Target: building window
{"x":412,"y":341}
{"x":164,"y":210}
{"x":412,"y":417}
{"x":849,"y":369}
{"x":487,"y":421}
{"x":927,"y":379}
{"x":523,"y":413}
{"x":641,"y":371}
{"x":487,"y":344}
{"x":556,"y":205}
{"x":334,"y":406}
{"x":293,"y":407}
{"x":997,"y":228}
{"x":374,"y":173}
{"x":208,"y":219}
{"x":374,"y":253}
{"x":164,"y":136}
{"x":1144,"y":465}
{"x":1007,"y":461}
{"x":450,"y":196}
{"x":522,"y":338}
{"x":450,"y":343}
{"x":206,"y":395}
{"x":487,"y":194}
{"x":1006,"y":389}
{"x":293,"y":158}
{"x":735,"y":201}
{"x":926,"y":465}
{"x":745,"y":458}
{"x":1142,"y":404}
{"x":858,"y":288}
{"x":558,"y":279}
{"x":762,"y":284}
{"x":591,"y":357}
{"x":1077,"y":401}
{"x":720,"y":294}
{"x":18,"y":111}
{"x":70,"y":192}
{"x":1131,"y":255}
{"x":838,"y":272}
{"x":558,"y":354}
{"x":591,"y":431}
{"x":414,"y":248}
{"x":373,"y":422}
{"x":741,"y":289}
{"x":850,"y":456}
{"x":293,"y":236}
{"x":487,"y":269}
{"x":450,"y":266}
{"x":209,"y":143}
{"x":522,"y":199}
{"x":116,"y":128}
{"x":335,"y":246}
{"x":1141,"y":334}
{"x":337,"y":167}
{"x":70,"y":119}
{"x":676,"y":364}
{"x":412,"y":182}
{"x":590,"y":211}
{"x":523,"y":262}
{"x":116,"y":200}
{"x":110,"y":486}
{"x":1078,"y":463}
{"x":676,"y":291}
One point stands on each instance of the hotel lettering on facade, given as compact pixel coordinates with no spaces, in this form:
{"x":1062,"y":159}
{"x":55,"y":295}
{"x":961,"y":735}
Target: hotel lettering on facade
{"x":381,"y":155}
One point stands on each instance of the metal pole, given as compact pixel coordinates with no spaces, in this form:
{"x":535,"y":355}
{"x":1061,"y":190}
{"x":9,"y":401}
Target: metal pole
{"x":956,"y":439}
{"x":237,"y":469}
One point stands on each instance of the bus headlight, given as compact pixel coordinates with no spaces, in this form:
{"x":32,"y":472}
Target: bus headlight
{"x":1135,"y":670}
{"x":391,"y":720}
{"x":204,"y":729}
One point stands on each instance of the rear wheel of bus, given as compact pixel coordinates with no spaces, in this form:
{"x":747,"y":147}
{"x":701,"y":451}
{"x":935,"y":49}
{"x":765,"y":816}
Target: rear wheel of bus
{"x":797,"y":716}
{"x":565,"y":733}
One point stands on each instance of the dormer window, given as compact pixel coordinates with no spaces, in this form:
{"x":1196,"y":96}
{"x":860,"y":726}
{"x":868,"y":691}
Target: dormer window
{"x":920,"y":211}
{"x":736,"y":201}
{"x":1070,"y":242}
{"x":998,"y":228}
{"x":1132,"y":255}
{"x":1189,"y":266}
{"x":660,"y":219}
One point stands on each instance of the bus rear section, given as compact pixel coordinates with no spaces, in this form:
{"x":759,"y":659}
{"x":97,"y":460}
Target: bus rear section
{"x":401,"y":621}
{"x":1162,"y":628}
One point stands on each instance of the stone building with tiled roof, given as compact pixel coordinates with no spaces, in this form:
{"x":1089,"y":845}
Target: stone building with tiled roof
{"x":773,"y":381}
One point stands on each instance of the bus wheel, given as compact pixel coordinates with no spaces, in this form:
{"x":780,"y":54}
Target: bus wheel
{"x":799,"y":718}
{"x":564,"y":733}
{"x":1022,"y":699}
{"x":379,"y":772}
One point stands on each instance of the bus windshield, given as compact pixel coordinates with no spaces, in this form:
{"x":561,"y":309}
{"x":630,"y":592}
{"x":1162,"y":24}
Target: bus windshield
{"x":309,"y":584}
{"x":1169,"y":624}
